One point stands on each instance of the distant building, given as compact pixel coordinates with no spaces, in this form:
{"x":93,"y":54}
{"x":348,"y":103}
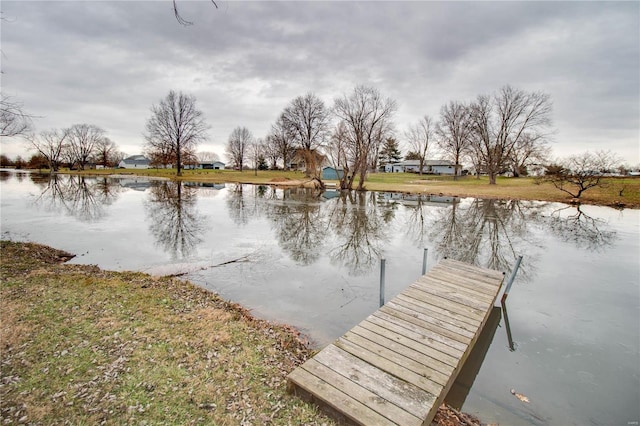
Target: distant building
{"x":135,"y":162}
{"x":332,"y":173}
{"x":209,"y":165}
{"x":437,"y":167}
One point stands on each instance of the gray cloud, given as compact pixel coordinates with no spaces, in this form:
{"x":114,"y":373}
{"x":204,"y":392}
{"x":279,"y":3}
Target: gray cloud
{"x":106,"y":63}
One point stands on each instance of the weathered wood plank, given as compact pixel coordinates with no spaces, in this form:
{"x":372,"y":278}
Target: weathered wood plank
{"x":468,"y":284}
{"x":411,"y":343}
{"x":400,"y":393}
{"x":390,"y":367}
{"x":436,"y":309}
{"x":367,"y":398}
{"x":341,"y":402}
{"x":451,"y":294}
{"x":480,"y":280}
{"x":416,"y":365}
{"x":435,"y":312}
{"x":421,"y":293}
{"x":463,"y":291}
{"x":420,"y":319}
{"x":397,"y":326}
{"x":476,"y":270}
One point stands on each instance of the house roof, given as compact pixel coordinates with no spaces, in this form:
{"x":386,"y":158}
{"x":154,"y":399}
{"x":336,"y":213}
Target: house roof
{"x":136,"y":159}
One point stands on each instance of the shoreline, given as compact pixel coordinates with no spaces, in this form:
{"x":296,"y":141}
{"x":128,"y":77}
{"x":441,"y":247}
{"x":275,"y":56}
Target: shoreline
{"x":618,"y":192}
{"x":53,"y":312}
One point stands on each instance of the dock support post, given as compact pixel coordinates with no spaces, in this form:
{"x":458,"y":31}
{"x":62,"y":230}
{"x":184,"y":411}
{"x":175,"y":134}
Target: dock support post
{"x":382,"y":268}
{"x":424,"y":261}
{"x":511,"y":278}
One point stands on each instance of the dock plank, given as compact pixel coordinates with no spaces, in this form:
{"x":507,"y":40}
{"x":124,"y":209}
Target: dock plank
{"x":398,"y":364}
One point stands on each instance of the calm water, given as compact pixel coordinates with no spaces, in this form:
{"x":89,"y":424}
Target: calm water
{"x":312,"y":260}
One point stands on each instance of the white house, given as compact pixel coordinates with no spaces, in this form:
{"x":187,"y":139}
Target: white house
{"x":135,"y":162}
{"x":211,"y":165}
{"x":438,"y":167}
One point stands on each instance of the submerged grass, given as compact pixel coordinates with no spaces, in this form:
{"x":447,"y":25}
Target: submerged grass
{"x":84,"y":346}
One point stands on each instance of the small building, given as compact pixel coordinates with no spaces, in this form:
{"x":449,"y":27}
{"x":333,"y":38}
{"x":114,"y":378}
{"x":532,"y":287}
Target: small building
{"x":436,"y":167}
{"x":332,"y":173}
{"x":135,"y":162}
{"x":208,"y":165}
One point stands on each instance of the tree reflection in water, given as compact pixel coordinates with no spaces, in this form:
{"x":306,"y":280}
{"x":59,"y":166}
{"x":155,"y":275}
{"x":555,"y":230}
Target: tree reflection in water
{"x":584,"y":231}
{"x":174,"y":220}
{"x":360,"y":227}
{"x":298,"y":222}
{"x":489,"y":233}
{"x":82,"y":197}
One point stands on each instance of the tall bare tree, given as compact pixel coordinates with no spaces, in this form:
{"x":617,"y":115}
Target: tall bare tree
{"x":501,"y":121}
{"x":13,"y":120}
{"x":106,"y":152}
{"x":529,"y":152}
{"x":367,"y":118}
{"x":281,"y":141}
{"x":238,"y":145}
{"x":306,"y":121}
{"x":176,"y":127}
{"x":51,"y":144}
{"x":420,"y":138}
{"x":454,"y":132}
{"x":83,"y":140}
{"x":256,"y":153}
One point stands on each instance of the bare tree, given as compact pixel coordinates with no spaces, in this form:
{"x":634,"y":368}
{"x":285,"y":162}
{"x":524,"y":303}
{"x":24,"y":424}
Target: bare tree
{"x":83,"y":140}
{"x":367,"y":118}
{"x":256,"y":152}
{"x":306,"y":121}
{"x":281,"y":141}
{"x":237,"y":146}
{"x":13,"y":120}
{"x":420,"y":137}
{"x":106,"y":152}
{"x":208,"y":156}
{"x":528,"y":151}
{"x":176,"y":126}
{"x":51,"y":144}
{"x":581,"y":172}
{"x":338,"y":153}
{"x":502,"y":120}
{"x":454,"y":132}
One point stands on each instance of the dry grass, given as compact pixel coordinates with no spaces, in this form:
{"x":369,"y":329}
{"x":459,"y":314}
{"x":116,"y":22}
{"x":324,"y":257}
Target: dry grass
{"x":86,"y":346}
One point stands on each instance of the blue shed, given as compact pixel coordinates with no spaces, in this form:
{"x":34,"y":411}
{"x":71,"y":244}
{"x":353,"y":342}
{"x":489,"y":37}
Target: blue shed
{"x":332,"y":173}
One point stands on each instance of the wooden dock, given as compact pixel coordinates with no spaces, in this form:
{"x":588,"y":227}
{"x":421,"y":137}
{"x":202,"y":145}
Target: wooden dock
{"x":396,"y":366}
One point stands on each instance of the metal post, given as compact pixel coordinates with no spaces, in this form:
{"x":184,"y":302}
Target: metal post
{"x":382,"y":268}
{"x":514,"y":271}
{"x":424,"y":261}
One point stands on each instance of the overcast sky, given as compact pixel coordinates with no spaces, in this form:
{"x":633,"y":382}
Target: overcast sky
{"x":107,"y":62}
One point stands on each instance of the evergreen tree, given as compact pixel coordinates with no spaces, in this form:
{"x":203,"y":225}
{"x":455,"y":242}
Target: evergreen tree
{"x":390,"y":152}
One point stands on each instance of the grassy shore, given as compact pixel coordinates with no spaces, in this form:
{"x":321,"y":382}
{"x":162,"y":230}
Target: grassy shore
{"x":79,"y":345}
{"x":616,"y":191}
{"x":86,"y":346}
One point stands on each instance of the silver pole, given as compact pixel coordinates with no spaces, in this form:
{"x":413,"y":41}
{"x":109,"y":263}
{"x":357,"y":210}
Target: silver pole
{"x":424,"y":261}
{"x":514,"y":271}
{"x":382,"y":268}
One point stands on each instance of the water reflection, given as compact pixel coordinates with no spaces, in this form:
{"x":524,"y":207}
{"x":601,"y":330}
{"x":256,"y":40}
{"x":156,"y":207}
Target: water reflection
{"x":359,"y":225}
{"x":174,"y":219}
{"x":584,"y":231}
{"x":298,"y":222}
{"x":489,"y":233}
{"x":83,"y":198}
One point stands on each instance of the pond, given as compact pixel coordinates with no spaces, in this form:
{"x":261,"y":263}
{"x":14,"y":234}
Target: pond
{"x":572,"y":344}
